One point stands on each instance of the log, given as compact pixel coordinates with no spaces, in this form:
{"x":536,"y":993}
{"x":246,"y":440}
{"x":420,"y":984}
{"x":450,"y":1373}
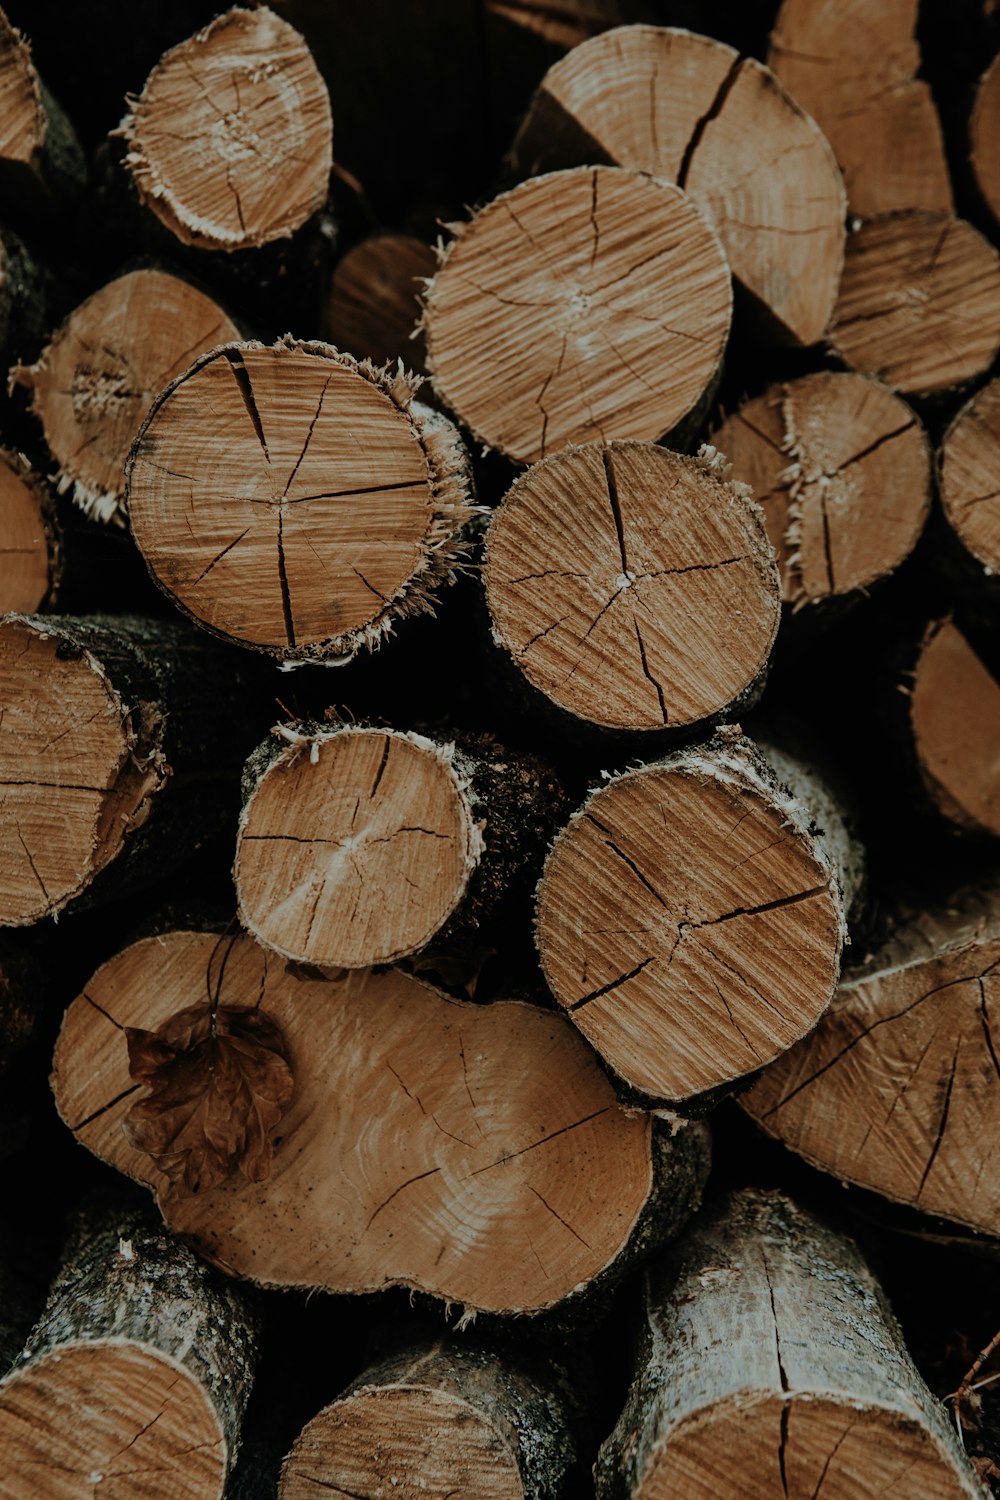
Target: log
{"x":112,"y":745}
{"x":294,"y":431}
{"x":919,"y":302}
{"x":854,"y":69}
{"x":984,"y":121}
{"x":441,"y":1417}
{"x":954,"y":720}
{"x":592,"y":303}
{"x":769,"y":1363}
{"x":896,"y":1089}
{"x":691,"y":111}
{"x":358,"y":845}
{"x":692,"y":913}
{"x":30,"y":541}
{"x":42,"y":167}
{"x":247,"y":91}
{"x":634,"y":588}
{"x":842,"y":468}
{"x":96,"y":378}
{"x":476,"y":1153}
{"x":140,"y":1364}
{"x":969,"y":476}
{"x":372,"y":306}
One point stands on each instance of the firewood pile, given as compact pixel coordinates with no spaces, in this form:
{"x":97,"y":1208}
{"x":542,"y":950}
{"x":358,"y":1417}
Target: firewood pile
{"x":500,"y":750}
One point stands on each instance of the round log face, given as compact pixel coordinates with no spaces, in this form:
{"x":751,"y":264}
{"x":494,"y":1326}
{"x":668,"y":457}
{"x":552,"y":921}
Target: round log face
{"x":984,"y":126}
{"x":115,"y":1419}
{"x":404,"y":1441}
{"x":231,"y":139}
{"x":631,"y":586}
{"x":97,"y":378}
{"x":583,"y":304}
{"x":970,"y":475}
{"x":373,"y":303}
{"x":359,"y":857}
{"x":919,"y":302}
{"x":22,"y":117}
{"x":474,"y":1152}
{"x":842,"y":469}
{"x":26,"y":571}
{"x":282,"y":496}
{"x":689,"y":929}
{"x":955,"y":720}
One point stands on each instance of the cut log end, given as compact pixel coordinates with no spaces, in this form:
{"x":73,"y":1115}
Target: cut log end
{"x":632,"y":586}
{"x":22,"y":113}
{"x":690,"y":923}
{"x":30,"y":573}
{"x":984,"y":125}
{"x":95,"y":381}
{"x":592,"y":303}
{"x":373,"y":305}
{"x":230,"y":142}
{"x":969,"y":461}
{"x":103,"y":1415}
{"x":73,"y":777}
{"x":842,"y":469}
{"x":297,"y":501}
{"x":919,"y":302}
{"x":355,"y":849}
{"x":955,"y":721}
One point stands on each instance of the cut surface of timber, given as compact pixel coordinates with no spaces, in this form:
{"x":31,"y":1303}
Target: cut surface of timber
{"x":969,"y":465}
{"x":633,"y":586}
{"x":40,"y":156}
{"x":230,"y":142}
{"x":29,"y":554}
{"x":984,"y":124}
{"x":295,"y":500}
{"x":955,"y":721}
{"x":769,"y":1363}
{"x":690,"y":110}
{"x":134,"y":1380}
{"x":853,"y":66}
{"x":495,"y":1167}
{"x":96,"y":379}
{"x":842,"y":469}
{"x":691,"y":916}
{"x":919,"y":302}
{"x":593,"y":303}
{"x":897,"y":1088}
{"x":436,"y":1420}
{"x":373,"y":304}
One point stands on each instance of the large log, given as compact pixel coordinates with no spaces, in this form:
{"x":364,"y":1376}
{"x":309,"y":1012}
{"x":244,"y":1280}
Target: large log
{"x":896,"y":1089}
{"x":769,"y":1363}
{"x":692,"y":913}
{"x":134,"y":1380}
{"x":476,"y":1153}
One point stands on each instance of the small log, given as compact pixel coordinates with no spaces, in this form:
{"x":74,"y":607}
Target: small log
{"x":141,"y":1363}
{"x":691,"y":111}
{"x":769,"y":1363}
{"x":969,"y":476}
{"x":42,"y":168}
{"x":372,"y":307}
{"x":293,"y":432}
{"x":95,"y":380}
{"x":955,"y":724}
{"x":896,"y":1089}
{"x":246,"y":93}
{"x":358,"y":845}
{"x":30,"y":543}
{"x":692,"y":913}
{"x":633,"y":587}
{"x":854,"y":68}
{"x":842,"y":468}
{"x":595,"y":281}
{"x":111,"y":745}
{"x":441,"y":1418}
{"x":984,"y":122}
{"x":919,"y":303}
{"x":501,"y":1172}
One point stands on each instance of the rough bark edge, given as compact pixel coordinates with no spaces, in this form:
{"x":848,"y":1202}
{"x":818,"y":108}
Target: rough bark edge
{"x":55,"y":172}
{"x":22,"y":469}
{"x":25,"y":296}
{"x":150,"y":190}
{"x":446,"y":546}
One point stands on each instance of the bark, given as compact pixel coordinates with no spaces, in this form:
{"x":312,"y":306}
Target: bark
{"x":692,"y":914}
{"x":26,"y":296}
{"x":141,"y":1359}
{"x":769,"y":1362}
{"x":42,"y":168}
{"x":497,"y":1117}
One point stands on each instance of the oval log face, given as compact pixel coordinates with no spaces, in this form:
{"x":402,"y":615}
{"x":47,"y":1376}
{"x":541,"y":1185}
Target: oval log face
{"x":474,"y":1152}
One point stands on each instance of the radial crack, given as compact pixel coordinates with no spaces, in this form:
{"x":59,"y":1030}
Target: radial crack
{"x":613,"y":985}
{"x":242,"y":377}
{"x":712,"y":112}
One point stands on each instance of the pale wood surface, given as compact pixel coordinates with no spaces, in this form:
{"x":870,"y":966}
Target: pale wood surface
{"x":969,"y":467}
{"x":955,"y":722}
{"x":28,"y":548}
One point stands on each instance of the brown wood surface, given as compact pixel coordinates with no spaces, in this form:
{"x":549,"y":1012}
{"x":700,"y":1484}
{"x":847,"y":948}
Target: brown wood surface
{"x":984,"y":125}
{"x":30,"y":562}
{"x":955,"y":723}
{"x":372,"y":305}
{"x":969,"y":474}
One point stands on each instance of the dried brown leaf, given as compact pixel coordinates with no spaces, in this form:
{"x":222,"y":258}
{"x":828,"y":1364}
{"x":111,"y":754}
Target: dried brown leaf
{"x":215,"y":1094}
